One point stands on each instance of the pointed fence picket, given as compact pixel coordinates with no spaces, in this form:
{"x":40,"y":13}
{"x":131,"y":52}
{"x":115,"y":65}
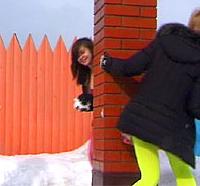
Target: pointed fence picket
{"x":36,"y":100}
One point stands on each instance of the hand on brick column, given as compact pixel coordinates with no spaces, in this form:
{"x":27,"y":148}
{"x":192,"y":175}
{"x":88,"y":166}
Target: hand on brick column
{"x":105,"y":62}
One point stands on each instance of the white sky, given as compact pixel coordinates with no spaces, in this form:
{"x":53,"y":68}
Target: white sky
{"x":176,"y":10}
{"x":69,"y":18}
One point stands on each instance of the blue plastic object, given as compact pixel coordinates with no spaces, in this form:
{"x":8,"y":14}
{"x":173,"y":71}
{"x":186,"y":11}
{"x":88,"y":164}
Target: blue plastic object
{"x":197,"y":144}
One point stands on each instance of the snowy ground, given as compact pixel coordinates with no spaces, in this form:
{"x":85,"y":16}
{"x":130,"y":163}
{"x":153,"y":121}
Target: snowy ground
{"x":167,"y":177}
{"x":62,"y":169}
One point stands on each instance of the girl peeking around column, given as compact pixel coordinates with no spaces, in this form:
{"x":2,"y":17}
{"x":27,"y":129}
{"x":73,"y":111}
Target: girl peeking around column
{"x":81,"y":67}
{"x":82,"y":57}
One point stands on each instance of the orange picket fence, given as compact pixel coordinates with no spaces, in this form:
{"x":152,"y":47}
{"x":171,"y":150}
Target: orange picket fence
{"x":36,"y":100}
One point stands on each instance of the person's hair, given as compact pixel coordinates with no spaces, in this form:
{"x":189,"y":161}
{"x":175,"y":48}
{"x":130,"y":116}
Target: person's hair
{"x":81,"y":73}
{"x":194,"y":21}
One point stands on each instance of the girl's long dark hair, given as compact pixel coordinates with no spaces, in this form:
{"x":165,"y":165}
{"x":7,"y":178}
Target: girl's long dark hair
{"x":81,"y":73}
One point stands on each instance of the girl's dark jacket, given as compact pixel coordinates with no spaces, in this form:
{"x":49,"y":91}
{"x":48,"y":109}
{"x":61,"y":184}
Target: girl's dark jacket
{"x":164,"y":109}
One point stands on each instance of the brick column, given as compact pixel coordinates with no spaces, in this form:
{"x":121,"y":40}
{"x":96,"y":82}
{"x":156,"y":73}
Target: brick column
{"x":121,"y":27}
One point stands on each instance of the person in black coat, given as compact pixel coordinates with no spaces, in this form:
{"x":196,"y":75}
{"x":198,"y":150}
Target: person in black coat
{"x":161,"y":115}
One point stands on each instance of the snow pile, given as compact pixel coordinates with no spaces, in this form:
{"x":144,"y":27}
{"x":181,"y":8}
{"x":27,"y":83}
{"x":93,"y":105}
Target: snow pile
{"x":62,"y":169}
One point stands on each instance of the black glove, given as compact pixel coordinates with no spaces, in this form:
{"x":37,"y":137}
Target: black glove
{"x":106,"y":62}
{"x":84,"y":102}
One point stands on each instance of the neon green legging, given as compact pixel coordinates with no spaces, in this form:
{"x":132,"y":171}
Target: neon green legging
{"x":148,"y":162}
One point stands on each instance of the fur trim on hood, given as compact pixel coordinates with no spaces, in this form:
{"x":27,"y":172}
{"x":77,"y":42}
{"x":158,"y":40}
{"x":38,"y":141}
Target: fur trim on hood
{"x":180,"y":43}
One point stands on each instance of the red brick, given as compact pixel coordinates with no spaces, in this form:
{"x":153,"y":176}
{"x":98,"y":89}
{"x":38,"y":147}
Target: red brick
{"x":112,"y":156}
{"x":111,"y":88}
{"x":98,"y":90}
{"x":97,"y":112}
{"x":99,"y":26}
{"x":98,"y":101}
{"x":122,"y":10}
{"x":121,"y":32}
{"x":121,"y":167}
{"x":103,"y":78}
{"x":112,"y":21}
{"x":140,"y":2}
{"x":106,"y":133}
{"x":107,"y":43}
{"x":98,"y":123}
{"x":98,"y":133}
{"x":99,"y":36}
{"x":98,"y":155}
{"x":107,"y":155}
{"x":112,"y":133}
{"x":147,"y":33}
{"x":139,"y":22}
{"x":112,"y":43}
{"x":134,"y":44}
{"x":97,"y":58}
{"x":148,"y":12}
{"x":113,"y":1}
{"x":99,"y":47}
{"x":98,"y":15}
{"x":101,"y":22}
{"x":112,"y":111}
{"x":115,"y":99}
{"x":106,"y":89}
{"x":121,"y":53}
{"x":113,"y":145}
{"x":98,"y":5}
{"x":99,"y":144}
{"x":111,"y":99}
{"x":96,"y":69}
{"x":127,"y":156}
{"x":108,"y":122}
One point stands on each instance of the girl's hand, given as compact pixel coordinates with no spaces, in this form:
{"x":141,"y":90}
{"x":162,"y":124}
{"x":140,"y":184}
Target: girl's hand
{"x":105,"y":62}
{"x":102,"y":61}
{"x":126,"y":138}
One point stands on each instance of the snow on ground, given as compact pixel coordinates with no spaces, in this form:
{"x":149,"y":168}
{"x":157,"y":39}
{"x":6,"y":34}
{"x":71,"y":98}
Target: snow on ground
{"x":63,"y":169}
{"x":167,"y":177}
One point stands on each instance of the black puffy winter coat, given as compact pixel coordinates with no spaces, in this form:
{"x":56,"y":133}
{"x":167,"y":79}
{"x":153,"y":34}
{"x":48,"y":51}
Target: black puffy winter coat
{"x":168,"y":100}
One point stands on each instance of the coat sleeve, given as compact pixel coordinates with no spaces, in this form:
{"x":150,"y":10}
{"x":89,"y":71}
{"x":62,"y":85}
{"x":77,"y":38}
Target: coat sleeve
{"x":194,"y":101}
{"x":135,"y":65}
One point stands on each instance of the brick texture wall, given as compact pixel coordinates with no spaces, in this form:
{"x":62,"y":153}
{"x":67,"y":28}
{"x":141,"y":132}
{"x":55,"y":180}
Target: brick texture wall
{"x":121,"y":28}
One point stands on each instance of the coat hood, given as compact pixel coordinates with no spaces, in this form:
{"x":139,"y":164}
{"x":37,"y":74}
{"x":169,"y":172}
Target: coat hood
{"x":180,"y":43}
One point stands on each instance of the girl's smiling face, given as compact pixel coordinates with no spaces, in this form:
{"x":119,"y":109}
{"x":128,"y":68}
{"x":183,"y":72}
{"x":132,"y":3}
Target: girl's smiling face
{"x":85,"y":56}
